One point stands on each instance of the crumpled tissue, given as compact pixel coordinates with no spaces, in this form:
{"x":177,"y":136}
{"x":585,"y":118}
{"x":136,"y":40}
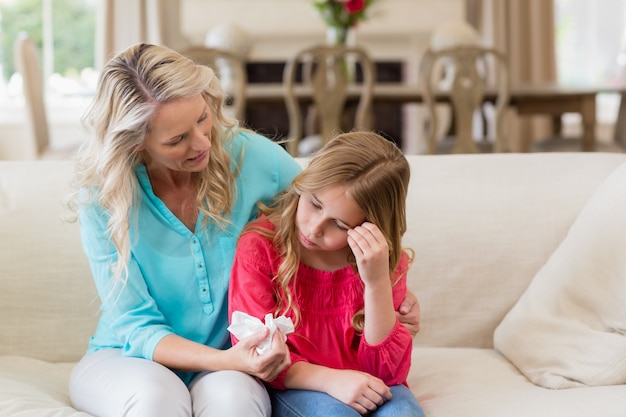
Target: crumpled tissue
{"x":243,"y":325}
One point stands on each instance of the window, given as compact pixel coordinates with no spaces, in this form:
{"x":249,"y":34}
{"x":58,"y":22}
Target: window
{"x":591,"y":48}
{"x":590,"y":39}
{"x":65,"y":33}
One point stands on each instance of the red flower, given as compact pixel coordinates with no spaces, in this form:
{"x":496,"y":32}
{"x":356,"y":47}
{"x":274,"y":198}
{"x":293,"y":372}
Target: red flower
{"x":341,"y":13}
{"x":355,"y":6}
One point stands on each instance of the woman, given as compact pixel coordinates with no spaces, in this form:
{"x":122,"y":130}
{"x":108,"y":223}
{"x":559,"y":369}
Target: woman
{"x":163,"y":189}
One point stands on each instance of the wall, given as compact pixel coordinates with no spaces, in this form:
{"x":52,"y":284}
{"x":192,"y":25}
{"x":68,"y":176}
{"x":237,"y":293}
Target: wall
{"x":395,"y":29}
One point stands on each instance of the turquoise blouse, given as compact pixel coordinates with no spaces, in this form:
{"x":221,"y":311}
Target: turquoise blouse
{"x":178,"y":280}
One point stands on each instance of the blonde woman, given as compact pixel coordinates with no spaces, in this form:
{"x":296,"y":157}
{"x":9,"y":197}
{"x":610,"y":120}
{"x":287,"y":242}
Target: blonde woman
{"x":328,"y":255}
{"x":164,"y":187}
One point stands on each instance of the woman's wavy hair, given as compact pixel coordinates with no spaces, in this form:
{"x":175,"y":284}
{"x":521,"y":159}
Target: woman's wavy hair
{"x":375,"y":174}
{"x":132,"y":87}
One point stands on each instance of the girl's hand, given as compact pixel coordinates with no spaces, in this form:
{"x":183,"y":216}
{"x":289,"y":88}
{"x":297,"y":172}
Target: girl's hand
{"x":371,"y":252}
{"x":359,"y":390}
{"x":266,"y":366}
{"x":372,"y":258}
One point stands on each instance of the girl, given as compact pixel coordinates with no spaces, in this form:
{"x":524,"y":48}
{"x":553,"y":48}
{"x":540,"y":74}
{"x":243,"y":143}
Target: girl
{"x":328,"y":255}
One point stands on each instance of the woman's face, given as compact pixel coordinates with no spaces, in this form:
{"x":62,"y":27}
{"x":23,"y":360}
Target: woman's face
{"x":179,"y":135}
{"x":324,"y":217}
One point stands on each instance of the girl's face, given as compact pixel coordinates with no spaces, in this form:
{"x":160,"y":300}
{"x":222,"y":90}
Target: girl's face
{"x":323,"y":219}
{"x":179,"y":135}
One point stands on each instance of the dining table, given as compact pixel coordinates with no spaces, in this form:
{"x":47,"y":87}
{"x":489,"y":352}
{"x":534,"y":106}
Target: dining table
{"x":552,"y":99}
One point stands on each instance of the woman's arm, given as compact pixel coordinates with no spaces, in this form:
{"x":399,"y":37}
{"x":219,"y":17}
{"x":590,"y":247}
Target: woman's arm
{"x":135,"y":321}
{"x":252,"y":289}
{"x":182,"y":354}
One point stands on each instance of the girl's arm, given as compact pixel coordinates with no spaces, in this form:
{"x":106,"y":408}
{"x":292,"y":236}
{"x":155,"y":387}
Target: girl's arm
{"x":385,"y":349}
{"x":357,"y":389}
{"x":372,"y":257}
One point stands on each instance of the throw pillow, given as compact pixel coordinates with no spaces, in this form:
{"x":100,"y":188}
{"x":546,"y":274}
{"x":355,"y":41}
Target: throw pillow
{"x":569,"y":327}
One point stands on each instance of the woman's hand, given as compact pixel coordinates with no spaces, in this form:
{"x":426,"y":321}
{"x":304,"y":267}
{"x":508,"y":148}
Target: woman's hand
{"x":409,"y":313}
{"x":265,"y":366}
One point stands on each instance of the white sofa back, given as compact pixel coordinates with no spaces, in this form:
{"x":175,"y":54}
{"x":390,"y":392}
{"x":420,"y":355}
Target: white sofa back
{"x":480,"y":226}
{"x":48,"y":302}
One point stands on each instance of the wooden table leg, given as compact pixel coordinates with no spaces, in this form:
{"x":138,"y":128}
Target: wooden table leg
{"x":557,"y":125}
{"x":619,"y":135}
{"x":588,"y":113}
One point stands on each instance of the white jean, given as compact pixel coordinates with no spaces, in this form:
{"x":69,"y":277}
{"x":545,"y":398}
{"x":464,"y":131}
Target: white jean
{"x":107,"y":384}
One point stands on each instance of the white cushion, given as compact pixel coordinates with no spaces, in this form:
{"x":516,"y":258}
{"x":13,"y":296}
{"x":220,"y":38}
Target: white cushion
{"x":33,"y":388}
{"x":455,"y":382}
{"x":567,"y":330}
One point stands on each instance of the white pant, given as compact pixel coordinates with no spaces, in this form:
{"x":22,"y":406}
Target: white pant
{"x":107,"y":384}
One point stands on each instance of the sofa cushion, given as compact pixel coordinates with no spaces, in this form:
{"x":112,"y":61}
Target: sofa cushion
{"x":33,"y":388}
{"x":568,"y":329}
{"x":453,"y":382}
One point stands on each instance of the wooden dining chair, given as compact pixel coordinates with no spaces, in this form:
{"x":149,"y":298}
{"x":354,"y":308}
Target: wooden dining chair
{"x":28,"y":64}
{"x":467,"y":77}
{"x":230,"y":69}
{"x":333,"y":75}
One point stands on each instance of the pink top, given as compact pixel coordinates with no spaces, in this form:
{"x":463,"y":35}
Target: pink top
{"x":327,"y":302}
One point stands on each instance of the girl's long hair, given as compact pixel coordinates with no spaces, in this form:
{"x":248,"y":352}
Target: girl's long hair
{"x":132,"y":87}
{"x":375,"y":174}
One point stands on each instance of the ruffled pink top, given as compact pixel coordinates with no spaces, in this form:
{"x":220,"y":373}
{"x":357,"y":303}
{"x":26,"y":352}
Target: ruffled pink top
{"x":327,"y":302}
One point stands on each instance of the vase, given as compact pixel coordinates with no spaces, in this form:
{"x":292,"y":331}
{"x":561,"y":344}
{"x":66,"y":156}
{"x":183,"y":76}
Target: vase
{"x":342,"y":36}
{"x":339,"y":35}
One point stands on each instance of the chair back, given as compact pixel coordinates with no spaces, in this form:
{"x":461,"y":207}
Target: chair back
{"x":28,"y":64}
{"x":230,"y":69}
{"x":331,"y":75}
{"x":467,"y":77}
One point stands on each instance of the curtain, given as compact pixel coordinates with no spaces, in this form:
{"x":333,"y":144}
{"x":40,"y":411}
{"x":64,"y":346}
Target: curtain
{"x":525,"y":31}
{"x":122,"y":23}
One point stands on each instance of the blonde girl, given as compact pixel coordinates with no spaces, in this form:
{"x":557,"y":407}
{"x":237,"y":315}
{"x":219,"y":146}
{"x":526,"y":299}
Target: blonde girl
{"x":328,"y":255}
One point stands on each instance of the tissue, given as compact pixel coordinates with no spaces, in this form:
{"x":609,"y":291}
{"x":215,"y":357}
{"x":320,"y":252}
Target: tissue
{"x":243,"y":325}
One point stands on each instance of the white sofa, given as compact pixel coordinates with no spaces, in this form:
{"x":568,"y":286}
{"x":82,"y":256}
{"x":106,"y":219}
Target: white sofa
{"x":481,"y":226}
